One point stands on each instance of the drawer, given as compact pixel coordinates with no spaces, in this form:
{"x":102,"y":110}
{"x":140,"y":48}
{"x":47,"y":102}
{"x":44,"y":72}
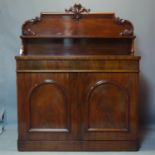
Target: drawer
{"x":76,"y":64}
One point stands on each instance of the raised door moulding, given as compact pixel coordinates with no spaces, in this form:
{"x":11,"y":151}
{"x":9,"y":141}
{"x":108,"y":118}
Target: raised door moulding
{"x":122,"y":92}
{"x":62,"y":93}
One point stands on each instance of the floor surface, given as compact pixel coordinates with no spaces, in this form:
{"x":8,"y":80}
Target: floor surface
{"x":8,"y":146}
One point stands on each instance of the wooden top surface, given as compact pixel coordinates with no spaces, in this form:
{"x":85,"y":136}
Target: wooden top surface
{"x":84,"y":57}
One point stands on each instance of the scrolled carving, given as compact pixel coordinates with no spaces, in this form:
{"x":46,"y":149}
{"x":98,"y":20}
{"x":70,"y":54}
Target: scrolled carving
{"x":77,"y":11}
{"x":53,"y":105}
{"x":107,"y":107}
{"x":124,"y":23}
{"x":126,"y":32}
{"x":28,"y":31}
{"x":34,"y":20}
{"x":120,"y":21}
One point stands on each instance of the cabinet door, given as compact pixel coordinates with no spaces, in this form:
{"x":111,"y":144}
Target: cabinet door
{"x":108,"y":103}
{"x":46,"y":106}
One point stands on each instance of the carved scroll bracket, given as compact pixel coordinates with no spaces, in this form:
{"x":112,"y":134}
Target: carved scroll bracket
{"x":28,"y":31}
{"x":120,"y":21}
{"x":126,"y":32}
{"x":34,"y":20}
{"x":77,"y":11}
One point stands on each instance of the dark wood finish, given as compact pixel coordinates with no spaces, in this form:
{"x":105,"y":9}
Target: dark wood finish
{"x":77,"y":11}
{"x":70,"y":33}
{"x":77,"y":83}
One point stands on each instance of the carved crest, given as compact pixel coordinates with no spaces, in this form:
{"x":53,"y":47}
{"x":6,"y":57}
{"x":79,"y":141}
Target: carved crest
{"x":77,"y":11}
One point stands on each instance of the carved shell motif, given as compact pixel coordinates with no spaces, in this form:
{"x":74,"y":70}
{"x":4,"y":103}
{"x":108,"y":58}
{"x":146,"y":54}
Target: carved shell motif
{"x":77,"y":11}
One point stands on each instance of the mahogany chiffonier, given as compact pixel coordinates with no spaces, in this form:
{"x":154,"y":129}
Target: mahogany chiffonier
{"x":77,"y":83}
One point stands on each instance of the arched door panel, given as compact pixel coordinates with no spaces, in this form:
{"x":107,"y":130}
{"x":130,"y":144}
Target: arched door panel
{"x":106,"y":101}
{"x":106,"y":105}
{"x":48,"y":107}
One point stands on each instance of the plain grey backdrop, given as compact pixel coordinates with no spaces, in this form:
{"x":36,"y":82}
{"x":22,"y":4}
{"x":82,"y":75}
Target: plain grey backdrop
{"x":14,"y":12}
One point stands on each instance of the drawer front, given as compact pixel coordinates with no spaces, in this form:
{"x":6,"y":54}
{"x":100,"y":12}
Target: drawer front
{"x":77,"y":66}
